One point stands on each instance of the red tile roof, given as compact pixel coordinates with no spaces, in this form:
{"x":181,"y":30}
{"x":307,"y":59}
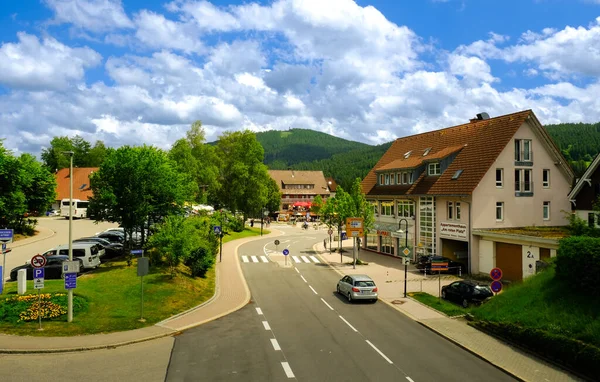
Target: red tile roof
{"x":81,"y":183}
{"x":477,"y":145}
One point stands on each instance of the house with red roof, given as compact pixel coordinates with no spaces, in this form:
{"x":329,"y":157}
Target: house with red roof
{"x":81,"y":184}
{"x":457,"y":192}
{"x":298,"y":190}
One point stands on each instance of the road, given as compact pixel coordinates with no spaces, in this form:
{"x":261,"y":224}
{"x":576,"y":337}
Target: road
{"x":297,"y":327}
{"x":60,"y":228}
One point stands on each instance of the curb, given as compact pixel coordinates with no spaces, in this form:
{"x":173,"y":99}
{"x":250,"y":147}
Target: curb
{"x":35,"y":239}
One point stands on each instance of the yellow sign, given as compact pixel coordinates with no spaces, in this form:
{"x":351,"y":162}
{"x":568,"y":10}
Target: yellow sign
{"x":354,"y":227}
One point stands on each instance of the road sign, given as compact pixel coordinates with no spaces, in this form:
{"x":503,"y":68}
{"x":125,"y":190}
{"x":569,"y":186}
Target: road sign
{"x":142,"y":266}
{"x":344,"y":236}
{"x":330,"y":232}
{"x":439,"y":266}
{"x":496,"y":286}
{"x":276,"y":242}
{"x":137,"y":252}
{"x":38,"y":283}
{"x":6,"y":235}
{"x":217,"y":229}
{"x":70,"y":280}
{"x":406,"y":260}
{"x":496,"y":274}
{"x":38,"y":261}
{"x":354,"y":225}
{"x":38,"y":273}
{"x":286,"y":252}
{"x":71,"y":266}
{"x":3,"y":247}
{"x":406,"y":251}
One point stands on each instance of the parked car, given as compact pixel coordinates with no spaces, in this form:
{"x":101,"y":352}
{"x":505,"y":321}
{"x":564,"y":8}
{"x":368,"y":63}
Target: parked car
{"x":466,"y":292}
{"x":112,"y":236}
{"x":111,"y":249}
{"x":89,"y":253}
{"x":357,"y":287}
{"x":52,"y":269}
{"x":424,"y":263}
{"x":135,"y":235}
{"x":53,"y":213}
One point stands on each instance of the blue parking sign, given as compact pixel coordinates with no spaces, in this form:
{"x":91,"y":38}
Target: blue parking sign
{"x":70,"y":280}
{"x":38,"y":273}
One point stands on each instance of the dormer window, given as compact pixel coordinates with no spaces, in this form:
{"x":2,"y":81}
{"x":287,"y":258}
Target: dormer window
{"x":427,"y":150}
{"x":407,"y":154}
{"x":381,"y":179}
{"x":434,"y":169}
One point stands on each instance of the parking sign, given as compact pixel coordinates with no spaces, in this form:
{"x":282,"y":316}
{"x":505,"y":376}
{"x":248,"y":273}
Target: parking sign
{"x":38,"y":273}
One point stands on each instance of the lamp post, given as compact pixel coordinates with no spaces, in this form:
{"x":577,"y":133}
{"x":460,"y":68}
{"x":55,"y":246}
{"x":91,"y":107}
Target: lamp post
{"x":221,"y":239}
{"x":405,"y":246}
{"x":70,"y":291}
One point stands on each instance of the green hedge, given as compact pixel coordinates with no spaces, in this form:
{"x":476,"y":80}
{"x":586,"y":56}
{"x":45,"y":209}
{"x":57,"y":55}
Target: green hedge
{"x":573,"y":354}
{"x":578,"y":262}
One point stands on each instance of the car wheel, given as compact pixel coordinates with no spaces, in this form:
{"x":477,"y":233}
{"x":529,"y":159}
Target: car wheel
{"x":465,"y":303}
{"x":444,"y":294}
{"x":349,"y":297}
{"x":338,"y":289}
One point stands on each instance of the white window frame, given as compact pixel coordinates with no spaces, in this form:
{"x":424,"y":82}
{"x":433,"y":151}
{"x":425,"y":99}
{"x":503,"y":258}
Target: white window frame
{"x":411,"y":177}
{"x":521,"y":153}
{"x":500,"y":183}
{"x":521,"y":180}
{"x":457,"y":210}
{"x":405,"y":177}
{"x":405,"y":208}
{"x":434,"y":169}
{"x":381,"y":179}
{"x":500,"y":208}
{"x":546,"y":178}
{"x":392,"y":176}
{"x":450,"y":210}
{"x":546,"y":211}
{"x":387,"y":207}
{"x":398,"y":178}
{"x":387,"y":179}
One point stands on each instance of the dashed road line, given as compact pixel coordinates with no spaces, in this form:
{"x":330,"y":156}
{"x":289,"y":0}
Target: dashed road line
{"x":275,"y":344}
{"x":325,"y":302}
{"x":410,"y":379}
{"x":314,"y":291}
{"x":303,"y":279}
{"x":259,"y":311}
{"x":383,"y":355}
{"x":296,"y":269}
{"x":347,"y":323}
{"x":288,"y":370}
{"x":266,"y":325}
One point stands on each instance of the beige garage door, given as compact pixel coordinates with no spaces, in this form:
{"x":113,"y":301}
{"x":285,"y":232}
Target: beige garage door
{"x":509,"y":258}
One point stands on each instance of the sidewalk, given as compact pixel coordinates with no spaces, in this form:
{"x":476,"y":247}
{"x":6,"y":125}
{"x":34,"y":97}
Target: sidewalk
{"x":231,"y":294}
{"x":388,"y":274}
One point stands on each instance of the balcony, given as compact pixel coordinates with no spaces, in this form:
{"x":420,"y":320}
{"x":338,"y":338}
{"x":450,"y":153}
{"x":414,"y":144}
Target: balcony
{"x":524,"y":158}
{"x":523,"y":188}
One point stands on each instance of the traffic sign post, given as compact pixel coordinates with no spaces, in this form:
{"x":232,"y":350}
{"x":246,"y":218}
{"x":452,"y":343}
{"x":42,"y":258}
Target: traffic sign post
{"x":3,"y":267}
{"x":330,"y":232}
{"x":142,"y":270}
{"x":277,"y":245}
{"x":496,"y":286}
{"x":439,"y":266}
{"x":406,"y":261}
{"x":286,"y":252}
{"x":38,"y":261}
{"x":6,"y":235}
{"x":70,"y":281}
{"x":496,"y":275}
{"x":38,"y":283}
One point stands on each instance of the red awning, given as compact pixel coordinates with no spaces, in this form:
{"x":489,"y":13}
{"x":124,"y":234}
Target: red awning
{"x":302,"y":204}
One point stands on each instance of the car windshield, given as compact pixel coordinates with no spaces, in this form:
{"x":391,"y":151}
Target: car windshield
{"x":482,"y":289}
{"x":364,"y":283}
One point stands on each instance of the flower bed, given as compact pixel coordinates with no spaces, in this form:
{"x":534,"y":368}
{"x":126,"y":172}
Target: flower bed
{"x":30,"y":307}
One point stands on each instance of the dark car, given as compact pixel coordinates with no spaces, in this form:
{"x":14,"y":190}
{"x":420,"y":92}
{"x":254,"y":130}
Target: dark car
{"x":110,"y":249}
{"x":466,"y":292}
{"x":424,"y":263}
{"x":112,"y":236}
{"x":52,"y":269}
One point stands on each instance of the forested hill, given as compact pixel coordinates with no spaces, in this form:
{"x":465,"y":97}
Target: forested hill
{"x":284,"y":149}
{"x":579,"y":143}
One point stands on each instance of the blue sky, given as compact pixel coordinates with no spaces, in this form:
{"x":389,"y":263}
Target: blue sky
{"x":134,"y":71}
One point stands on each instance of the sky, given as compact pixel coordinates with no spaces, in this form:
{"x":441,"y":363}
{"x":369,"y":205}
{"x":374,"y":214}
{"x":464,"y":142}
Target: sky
{"x":129,"y":72}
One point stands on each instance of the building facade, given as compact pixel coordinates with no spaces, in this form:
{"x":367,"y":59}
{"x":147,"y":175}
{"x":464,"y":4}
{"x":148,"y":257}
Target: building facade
{"x":81,"y":184}
{"x":298,"y":190}
{"x":449,"y":192}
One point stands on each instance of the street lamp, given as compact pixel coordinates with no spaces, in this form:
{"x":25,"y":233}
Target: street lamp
{"x":70,"y":291}
{"x":405,"y":246}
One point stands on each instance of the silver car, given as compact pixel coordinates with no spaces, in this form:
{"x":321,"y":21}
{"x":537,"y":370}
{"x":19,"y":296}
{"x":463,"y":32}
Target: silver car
{"x":357,"y":287}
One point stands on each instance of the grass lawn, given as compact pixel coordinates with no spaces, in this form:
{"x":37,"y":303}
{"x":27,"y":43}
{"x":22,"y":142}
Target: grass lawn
{"x":111,"y":297}
{"x":443,"y":306}
{"x":544,"y":303}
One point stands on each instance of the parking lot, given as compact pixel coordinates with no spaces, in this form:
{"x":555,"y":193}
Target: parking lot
{"x":53,"y":231}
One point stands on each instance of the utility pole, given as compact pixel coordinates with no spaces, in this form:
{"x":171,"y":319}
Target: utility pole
{"x":70,"y":291}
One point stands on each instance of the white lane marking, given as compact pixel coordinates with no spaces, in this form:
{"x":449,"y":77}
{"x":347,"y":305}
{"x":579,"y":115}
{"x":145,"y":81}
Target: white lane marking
{"x":264,"y":259}
{"x":347,"y":323}
{"x":311,"y":288}
{"x":287,"y":369}
{"x":296,"y":269}
{"x":259,"y":311}
{"x":325,"y":302}
{"x":305,"y":259}
{"x":296,"y":259}
{"x":410,"y":379}
{"x":314,"y":259}
{"x":383,"y":355}
{"x":245,"y":259}
{"x":266,"y":325}
{"x":254,"y":259}
{"x":275,"y":344}
{"x":303,"y":279}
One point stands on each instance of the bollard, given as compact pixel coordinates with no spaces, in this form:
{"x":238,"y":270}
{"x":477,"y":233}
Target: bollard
{"x":22,"y":281}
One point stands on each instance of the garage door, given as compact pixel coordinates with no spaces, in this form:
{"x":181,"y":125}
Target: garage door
{"x":509,"y":258}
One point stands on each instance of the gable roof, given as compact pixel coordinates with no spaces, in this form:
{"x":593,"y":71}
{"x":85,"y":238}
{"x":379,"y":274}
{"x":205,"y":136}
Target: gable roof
{"x":477,"y":144}
{"x":587,"y":175}
{"x":332,"y":184}
{"x":81,"y":183}
{"x":317,"y":178}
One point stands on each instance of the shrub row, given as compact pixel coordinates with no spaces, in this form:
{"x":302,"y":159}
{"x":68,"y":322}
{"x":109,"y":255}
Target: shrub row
{"x":578,"y":263}
{"x":573,"y":354}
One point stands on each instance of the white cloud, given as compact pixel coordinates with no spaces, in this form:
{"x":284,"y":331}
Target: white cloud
{"x":93,"y":15}
{"x":471,"y":68}
{"x":157,"y":32}
{"x":48,"y":64}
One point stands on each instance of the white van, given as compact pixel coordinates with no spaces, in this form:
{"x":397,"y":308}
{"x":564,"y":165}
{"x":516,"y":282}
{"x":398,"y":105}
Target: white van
{"x":89,"y":253}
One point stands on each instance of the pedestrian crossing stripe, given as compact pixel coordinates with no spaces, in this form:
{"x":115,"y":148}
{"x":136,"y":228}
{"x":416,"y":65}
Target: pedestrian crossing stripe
{"x":245,"y":259}
{"x":305,"y":259}
{"x":264,"y":259}
{"x":296,"y":259}
{"x":254,"y":259}
{"x":314,"y":259}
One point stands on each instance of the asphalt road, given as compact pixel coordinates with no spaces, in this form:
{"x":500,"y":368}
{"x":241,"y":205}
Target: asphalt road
{"x":60,"y":227}
{"x":297,"y":327}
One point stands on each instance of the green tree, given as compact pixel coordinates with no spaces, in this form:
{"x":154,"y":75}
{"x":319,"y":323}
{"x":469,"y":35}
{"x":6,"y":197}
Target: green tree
{"x":84,"y":154}
{"x":53,"y":158}
{"x":317,"y":205}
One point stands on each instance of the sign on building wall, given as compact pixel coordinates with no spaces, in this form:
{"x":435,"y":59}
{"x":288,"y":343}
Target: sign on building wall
{"x":453,"y":230}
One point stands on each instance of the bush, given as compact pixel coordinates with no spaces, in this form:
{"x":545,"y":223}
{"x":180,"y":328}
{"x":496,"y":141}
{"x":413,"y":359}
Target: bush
{"x":579,"y":356}
{"x":578,"y":263}
{"x":200,"y":261}
{"x":236,"y":224}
